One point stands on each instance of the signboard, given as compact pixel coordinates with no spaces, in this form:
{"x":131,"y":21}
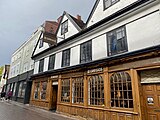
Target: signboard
{"x":55,"y":83}
{"x":95,"y":70}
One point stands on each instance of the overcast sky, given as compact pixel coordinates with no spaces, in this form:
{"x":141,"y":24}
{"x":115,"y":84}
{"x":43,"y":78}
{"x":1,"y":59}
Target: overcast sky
{"x":20,"y":18}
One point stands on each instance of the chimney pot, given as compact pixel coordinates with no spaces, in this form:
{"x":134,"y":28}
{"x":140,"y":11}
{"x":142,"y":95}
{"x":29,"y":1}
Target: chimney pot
{"x":78,"y":17}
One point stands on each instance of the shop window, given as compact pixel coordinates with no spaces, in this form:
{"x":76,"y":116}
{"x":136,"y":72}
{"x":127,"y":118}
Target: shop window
{"x":96,"y":90}
{"x":86,"y":52}
{"x":36,"y":90}
{"x":117,"y":41}
{"x":51,"y":62}
{"x":21,"y":91}
{"x":66,"y":58}
{"x":121,"y":90}
{"x":43,"y":90}
{"x":65,"y":90}
{"x":77,"y":90}
{"x":64,"y":27}
{"x":14,"y":89}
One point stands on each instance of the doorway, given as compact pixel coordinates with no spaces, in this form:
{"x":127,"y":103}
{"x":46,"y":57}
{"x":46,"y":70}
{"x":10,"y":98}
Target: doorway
{"x":54,"y":97}
{"x":150,"y":101}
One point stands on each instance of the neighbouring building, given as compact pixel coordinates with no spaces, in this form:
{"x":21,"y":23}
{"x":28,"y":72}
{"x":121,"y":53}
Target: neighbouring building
{"x":4,"y":77}
{"x":106,"y":69}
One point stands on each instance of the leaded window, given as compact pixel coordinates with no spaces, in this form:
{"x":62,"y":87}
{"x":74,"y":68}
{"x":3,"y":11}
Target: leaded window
{"x":66,"y":58}
{"x":86,"y":52}
{"x":121,"y":90}
{"x":36,"y":90}
{"x":64,"y":27}
{"x":117,"y":41}
{"x":65,"y":90}
{"x":108,"y":3}
{"x":41,"y":65}
{"x":43,"y":90}
{"x":51,"y":62}
{"x":40,"y":43}
{"x":96,"y":90}
{"x":77,"y":90}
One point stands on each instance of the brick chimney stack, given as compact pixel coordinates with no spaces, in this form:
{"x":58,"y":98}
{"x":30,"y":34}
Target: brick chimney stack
{"x":78,"y":17}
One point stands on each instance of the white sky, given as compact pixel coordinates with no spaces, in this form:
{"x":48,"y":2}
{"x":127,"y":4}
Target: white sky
{"x":20,"y":18}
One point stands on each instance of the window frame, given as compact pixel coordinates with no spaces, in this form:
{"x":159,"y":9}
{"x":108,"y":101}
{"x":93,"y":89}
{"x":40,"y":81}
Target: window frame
{"x":51,"y":63}
{"x":111,"y":3}
{"x":116,"y":41}
{"x":78,"y":90}
{"x":42,"y":90}
{"x":64,"y":27}
{"x":86,"y":52}
{"x":65,"y":90}
{"x":41,"y":65}
{"x":65,"y":58}
{"x":93,"y":94}
{"x":117,"y":93}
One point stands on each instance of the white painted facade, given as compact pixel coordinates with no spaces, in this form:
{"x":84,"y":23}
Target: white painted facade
{"x":142,"y":27}
{"x":72,"y":28}
{"x":21,"y":61}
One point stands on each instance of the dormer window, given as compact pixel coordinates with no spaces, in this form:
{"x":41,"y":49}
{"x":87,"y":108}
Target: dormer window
{"x":108,"y":3}
{"x":64,"y":27}
{"x":40,"y":43}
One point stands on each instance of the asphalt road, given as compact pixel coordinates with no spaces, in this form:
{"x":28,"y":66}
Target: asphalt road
{"x":11,"y":111}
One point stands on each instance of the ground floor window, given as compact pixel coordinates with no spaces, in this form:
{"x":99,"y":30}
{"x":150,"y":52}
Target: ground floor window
{"x":14,"y":89}
{"x":121,"y":90}
{"x":65,"y":90}
{"x":96,"y":90}
{"x":43,"y":90}
{"x":22,"y":88}
{"x":36,"y":90}
{"x":77,"y":90}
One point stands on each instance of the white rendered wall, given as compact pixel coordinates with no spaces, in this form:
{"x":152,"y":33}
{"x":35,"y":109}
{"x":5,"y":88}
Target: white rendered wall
{"x":58,"y":60}
{"x":75,"y":55}
{"x":100,"y":13}
{"x":99,"y":47}
{"x":144,"y":32}
{"x":36,"y":67}
{"x":46,"y":62}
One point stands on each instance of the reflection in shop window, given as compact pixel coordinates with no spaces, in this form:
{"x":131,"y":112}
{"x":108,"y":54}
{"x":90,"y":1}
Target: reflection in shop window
{"x":43,"y":90}
{"x":14,"y":89}
{"x":96,"y":90}
{"x":36,"y":90}
{"x":121,"y":90}
{"x":65,"y":90}
{"x":77,"y":90}
{"x":22,"y":88}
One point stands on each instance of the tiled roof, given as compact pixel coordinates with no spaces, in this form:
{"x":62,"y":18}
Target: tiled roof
{"x":80,"y":23}
{"x":50,"y":27}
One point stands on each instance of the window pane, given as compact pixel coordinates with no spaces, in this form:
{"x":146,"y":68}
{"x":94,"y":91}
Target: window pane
{"x":41,"y":65}
{"x":77,"y":90}
{"x":64,"y":27}
{"x":117,"y":42}
{"x":86,"y":52}
{"x":36,"y":90}
{"x":66,"y":58}
{"x":65,"y":90}
{"x":51,"y":62}
{"x":96,"y":90}
{"x":43,"y":90}
{"x":121,"y":90}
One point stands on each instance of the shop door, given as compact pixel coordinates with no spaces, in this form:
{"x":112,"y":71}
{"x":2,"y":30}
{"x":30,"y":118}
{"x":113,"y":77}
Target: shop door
{"x":54,"y":97}
{"x":150,"y":101}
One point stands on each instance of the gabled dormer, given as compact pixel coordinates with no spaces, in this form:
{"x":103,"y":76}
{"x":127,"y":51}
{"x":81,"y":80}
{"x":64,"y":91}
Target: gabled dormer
{"x":69,"y":26}
{"x":105,"y":8}
{"x":47,"y":37}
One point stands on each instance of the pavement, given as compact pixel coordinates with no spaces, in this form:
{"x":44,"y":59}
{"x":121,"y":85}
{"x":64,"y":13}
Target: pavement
{"x":17,"y":111}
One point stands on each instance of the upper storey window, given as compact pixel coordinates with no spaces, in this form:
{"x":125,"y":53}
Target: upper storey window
{"x":117,"y":41}
{"x":41,"y":65}
{"x":86,"y":52}
{"x":108,"y":3}
{"x":40,"y":43}
{"x":66,"y":58}
{"x":64,"y":27}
